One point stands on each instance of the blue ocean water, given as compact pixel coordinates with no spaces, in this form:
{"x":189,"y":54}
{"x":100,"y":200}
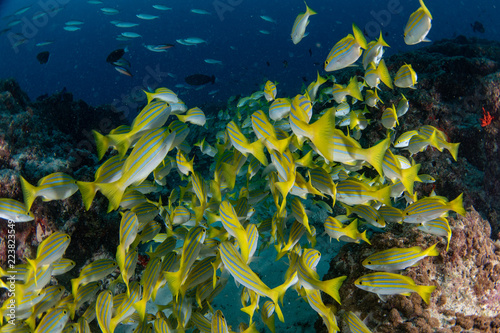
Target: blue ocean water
{"x":232,"y":31}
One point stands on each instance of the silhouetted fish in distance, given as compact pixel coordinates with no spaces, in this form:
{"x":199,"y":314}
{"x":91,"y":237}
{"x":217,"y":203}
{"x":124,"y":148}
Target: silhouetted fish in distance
{"x":199,"y":79}
{"x":478,"y":27}
{"x":115,"y":55}
{"x":43,"y":57}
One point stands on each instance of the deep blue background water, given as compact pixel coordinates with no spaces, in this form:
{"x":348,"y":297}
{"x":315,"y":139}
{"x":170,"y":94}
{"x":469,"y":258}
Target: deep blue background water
{"x":77,"y":59}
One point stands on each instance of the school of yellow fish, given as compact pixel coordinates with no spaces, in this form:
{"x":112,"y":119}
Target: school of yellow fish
{"x":214,"y":227}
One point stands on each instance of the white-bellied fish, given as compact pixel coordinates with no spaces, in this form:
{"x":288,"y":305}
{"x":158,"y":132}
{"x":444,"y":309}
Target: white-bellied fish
{"x":346,"y":51}
{"x":429,"y":208}
{"x":395,"y":259}
{"x":56,"y":186}
{"x":375,"y":74}
{"x":270,"y":91}
{"x":385,"y":284}
{"x":418,"y":25}
{"x":374,"y":52}
{"x":300,"y":24}
{"x":242,"y":273}
{"x":147,"y":16}
{"x":94,"y":271}
{"x":438,"y":227}
{"x":279,"y":109}
{"x":355,"y":324}
{"x":405,"y":77}
{"x":14,"y":210}
{"x":240,"y":142}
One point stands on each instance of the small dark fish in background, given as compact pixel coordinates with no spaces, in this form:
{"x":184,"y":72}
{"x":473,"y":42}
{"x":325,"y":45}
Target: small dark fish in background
{"x":285,"y":64}
{"x":310,"y":53}
{"x":268,"y":64}
{"x":43,"y":57}
{"x":478,"y":27}
{"x":304,"y":79}
{"x":115,"y":55}
{"x":199,"y":79}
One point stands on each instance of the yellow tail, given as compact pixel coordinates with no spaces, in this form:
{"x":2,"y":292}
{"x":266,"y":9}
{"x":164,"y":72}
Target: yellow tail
{"x":102,"y":144}
{"x":375,"y":155}
{"x":29,"y":193}
{"x":457,"y":205}
{"x":88,"y":191}
{"x":425,"y":292}
{"x":331,"y":287}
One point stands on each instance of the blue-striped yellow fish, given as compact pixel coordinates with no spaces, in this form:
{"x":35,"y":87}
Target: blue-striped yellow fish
{"x":429,"y":208}
{"x":94,"y":271}
{"x":279,"y":108}
{"x":418,"y":25}
{"x":405,"y":77}
{"x":194,"y":116}
{"x":56,"y":186}
{"x":300,"y":24}
{"x":398,"y":258}
{"x":151,"y":117}
{"x":53,"y":321}
{"x":309,"y":279}
{"x":240,"y":142}
{"x":190,"y":250}
{"x":438,"y":227}
{"x":375,"y":74}
{"x":163,"y":94}
{"x":14,"y":210}
{"x":345,"y":233}
{"x":374,"y":52}
{"x":147,"y":154}
{"x":242,"y":273}
{"x":384,"y":284}
{"x":270,"y":91}
{"x":355,"y":324}
{"x":346,"y":51}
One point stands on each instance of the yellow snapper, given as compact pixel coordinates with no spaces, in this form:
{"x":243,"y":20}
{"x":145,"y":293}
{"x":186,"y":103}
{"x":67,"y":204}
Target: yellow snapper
{"x":398,"y":258}
{"x":374,"y":52}
{"x":418,"y":25}
{"x":346,"y":51}
{"x":405,"y":77}
{"x":56,"y":186}
{"x":384,"y":284}
{"x":270,"y":91}
{"x":300,"y":24}
{"x":14,"y":210}
{"x":375,"y":74}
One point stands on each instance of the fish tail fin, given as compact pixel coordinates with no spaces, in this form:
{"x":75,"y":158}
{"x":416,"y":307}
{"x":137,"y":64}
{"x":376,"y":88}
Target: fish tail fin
{"x":384,"y":195}
{"x":140,"y":307}
{"x":229,"y":175}
{"x":29,"y":193}
{"x":149,"y":96}
{"x":424,"y":8}
{"x":375,"y":155}
{"x":457,"y":205}
{"x":75,"y":283}
{"x":33,"y":270}
{"x":353,"y":89}
{"x":425,"y":292}
{"x":283,"y":144}
{"x":257,"y":149}
{"x":280,"y":251}
{"x":122,"y":143}
{"x":331,"y":287}
{"x":384,"y":75}
{"x":114,"y":193}
{"x":408,"y":177}
{"x":309,"y":10}
{"x":431,"y":251}
{"x":88,"y":191}
{"x":453,"y":149}
{"x":31,"y":321}
{"x":322,"y":135}
{"x":174,"y":282}
{"x":358,"y":36}
{"x":277,"y":294}
{"x":381,"y":40}
{"x":102,"y":144}
{"x":363,"y":237}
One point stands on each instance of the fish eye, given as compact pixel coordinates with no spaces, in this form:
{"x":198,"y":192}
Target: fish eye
{"x":360,"y":282}
{"x":369,"y":262}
